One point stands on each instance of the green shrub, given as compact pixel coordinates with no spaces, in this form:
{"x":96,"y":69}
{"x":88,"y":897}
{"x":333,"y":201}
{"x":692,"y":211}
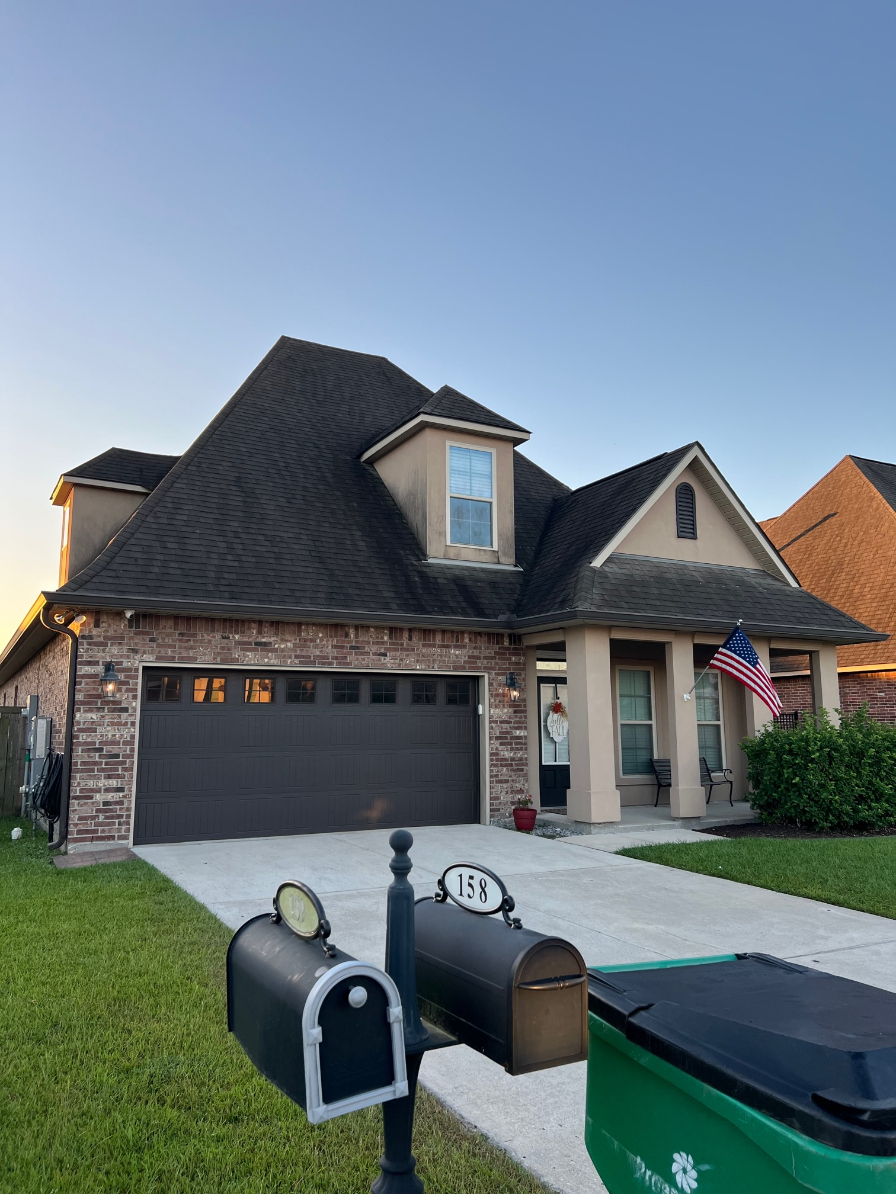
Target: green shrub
{"x":822,"y":777}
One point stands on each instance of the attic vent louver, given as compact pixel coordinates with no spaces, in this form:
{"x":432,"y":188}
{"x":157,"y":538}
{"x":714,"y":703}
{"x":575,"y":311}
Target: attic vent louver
{"x":685,"y":511}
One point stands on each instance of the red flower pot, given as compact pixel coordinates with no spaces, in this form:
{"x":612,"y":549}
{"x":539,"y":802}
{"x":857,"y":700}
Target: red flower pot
{"x":524,"y":819}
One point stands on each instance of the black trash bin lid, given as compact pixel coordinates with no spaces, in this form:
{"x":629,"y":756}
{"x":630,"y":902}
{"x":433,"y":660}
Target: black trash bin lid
{"x":816,"y":1052}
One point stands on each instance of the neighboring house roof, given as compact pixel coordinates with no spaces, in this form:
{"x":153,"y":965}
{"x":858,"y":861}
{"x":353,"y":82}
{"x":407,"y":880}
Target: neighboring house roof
{"x":840,"y":540}
{"x":272,"y":513}
{"x":117,"y":467}
{"x":881,"y":475}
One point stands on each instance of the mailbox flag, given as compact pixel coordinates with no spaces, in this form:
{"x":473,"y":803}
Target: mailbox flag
{"x":737,"y":656}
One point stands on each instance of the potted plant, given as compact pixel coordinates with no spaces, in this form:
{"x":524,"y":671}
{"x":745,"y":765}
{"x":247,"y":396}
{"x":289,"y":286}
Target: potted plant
{"x":524,"y":814}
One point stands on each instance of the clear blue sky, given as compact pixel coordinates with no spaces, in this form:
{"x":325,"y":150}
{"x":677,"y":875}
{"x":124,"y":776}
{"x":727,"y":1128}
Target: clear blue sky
{"x":626,"y":225}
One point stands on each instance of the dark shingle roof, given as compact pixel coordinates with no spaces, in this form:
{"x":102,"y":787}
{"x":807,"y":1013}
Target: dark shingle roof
{"x":271,"y":507}
{"x":644,"y":591}
{"x":452,"y":404}
{"x":272,"y":512}
{"x":125,"y":467}
{"x":881,"y":475}
{"x":582,"y":524}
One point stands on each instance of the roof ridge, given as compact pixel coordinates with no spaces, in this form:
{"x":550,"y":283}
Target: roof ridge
{"x":631,"y":468}
{"x":871,"y":460}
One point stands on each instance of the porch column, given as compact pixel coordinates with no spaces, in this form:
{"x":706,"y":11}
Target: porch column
{"x":687,"y":798}
{"x":593,"y":796}
{"x":758,"y":712}
{"x":825,"y":681}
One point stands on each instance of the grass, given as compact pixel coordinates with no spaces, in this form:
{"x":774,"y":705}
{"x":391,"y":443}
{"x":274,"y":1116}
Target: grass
{"x":850,"y":872}
{"x":117,"y":1072}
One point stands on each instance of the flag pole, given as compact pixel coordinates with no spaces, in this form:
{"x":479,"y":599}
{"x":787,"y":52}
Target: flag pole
{"x":687,"y":695}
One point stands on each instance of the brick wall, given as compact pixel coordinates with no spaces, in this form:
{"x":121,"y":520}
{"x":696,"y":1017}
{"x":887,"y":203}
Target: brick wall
{"x":795,"y":693}
{"x":46,"y":675}
{"x":105,"y":730}
{"x":878,"y":689}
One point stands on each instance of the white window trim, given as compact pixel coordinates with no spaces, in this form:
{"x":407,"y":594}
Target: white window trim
{"x":720,"y":723}
{"x":646,"y":667}
{"x":449,"y":444}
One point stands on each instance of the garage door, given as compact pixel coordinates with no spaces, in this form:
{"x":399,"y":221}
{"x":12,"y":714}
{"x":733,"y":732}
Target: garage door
{"x":246,"y":754}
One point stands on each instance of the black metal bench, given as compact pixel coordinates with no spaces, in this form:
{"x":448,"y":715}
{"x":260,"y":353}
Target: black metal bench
{"x":662,"y":771}
{"x":707,"y":781}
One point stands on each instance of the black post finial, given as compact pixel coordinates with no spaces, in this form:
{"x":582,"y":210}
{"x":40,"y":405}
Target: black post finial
{"x":400,"y":962}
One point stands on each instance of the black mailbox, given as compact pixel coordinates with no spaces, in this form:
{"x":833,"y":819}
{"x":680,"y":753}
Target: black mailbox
{"x":517,"y":996}
{"x":325,"y":1028}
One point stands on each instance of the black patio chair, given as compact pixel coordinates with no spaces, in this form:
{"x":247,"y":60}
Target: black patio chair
{"x":662,"y":770}
{"x":707,"y":781}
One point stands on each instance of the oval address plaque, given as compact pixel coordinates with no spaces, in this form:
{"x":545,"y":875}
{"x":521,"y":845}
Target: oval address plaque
{"x":476,"y":889}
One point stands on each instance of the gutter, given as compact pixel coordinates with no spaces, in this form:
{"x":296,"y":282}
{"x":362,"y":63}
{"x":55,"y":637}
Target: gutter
{"x":65,"y":793}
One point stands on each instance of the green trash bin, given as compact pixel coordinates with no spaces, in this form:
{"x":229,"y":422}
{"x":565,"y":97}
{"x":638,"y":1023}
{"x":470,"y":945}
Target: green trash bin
{"x":740,"y":1074}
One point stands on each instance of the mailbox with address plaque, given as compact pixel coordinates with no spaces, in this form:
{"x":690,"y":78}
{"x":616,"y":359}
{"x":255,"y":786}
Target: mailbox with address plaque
{"x":325,"y":1028}
{"x":517,"y":996}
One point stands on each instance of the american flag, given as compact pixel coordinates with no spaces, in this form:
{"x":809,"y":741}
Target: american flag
{"x":737,"y":657}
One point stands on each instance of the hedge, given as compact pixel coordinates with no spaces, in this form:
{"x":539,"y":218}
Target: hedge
{"x":823,"y":777}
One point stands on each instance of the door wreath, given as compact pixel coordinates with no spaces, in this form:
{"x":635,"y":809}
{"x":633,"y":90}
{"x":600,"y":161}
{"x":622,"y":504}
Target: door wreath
{"x":558,"y":721}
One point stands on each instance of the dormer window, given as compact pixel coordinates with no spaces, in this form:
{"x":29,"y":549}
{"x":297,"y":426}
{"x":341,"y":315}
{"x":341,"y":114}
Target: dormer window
{"x":470,"y":496}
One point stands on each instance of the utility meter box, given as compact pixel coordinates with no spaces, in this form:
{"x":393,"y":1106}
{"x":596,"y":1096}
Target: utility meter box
{"x":323,"y":1027}
{"x":517,"y":996}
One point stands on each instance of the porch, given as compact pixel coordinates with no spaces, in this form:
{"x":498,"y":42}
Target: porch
{"x":625,"y":697}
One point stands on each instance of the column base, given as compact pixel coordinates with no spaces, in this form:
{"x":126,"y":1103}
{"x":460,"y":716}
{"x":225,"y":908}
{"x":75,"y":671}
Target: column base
{"x":687,"y":802}
{"x":593,"y":807}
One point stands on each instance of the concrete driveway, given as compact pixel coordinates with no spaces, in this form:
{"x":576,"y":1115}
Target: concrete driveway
{"x":613,"y":909}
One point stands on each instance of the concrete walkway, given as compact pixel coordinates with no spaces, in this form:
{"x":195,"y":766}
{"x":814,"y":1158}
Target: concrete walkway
{"x":613,"y":909}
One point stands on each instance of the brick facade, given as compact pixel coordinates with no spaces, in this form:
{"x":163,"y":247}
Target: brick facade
{"x":795,"y":693}
{"x":105,"y":730}
{"x":46,"y":676}
{"x":877,"y":689}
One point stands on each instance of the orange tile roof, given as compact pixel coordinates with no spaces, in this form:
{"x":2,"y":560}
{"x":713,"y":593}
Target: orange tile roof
{"x":840,"y":540}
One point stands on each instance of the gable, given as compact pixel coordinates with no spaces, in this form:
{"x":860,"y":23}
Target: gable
{"x":717,"y":542}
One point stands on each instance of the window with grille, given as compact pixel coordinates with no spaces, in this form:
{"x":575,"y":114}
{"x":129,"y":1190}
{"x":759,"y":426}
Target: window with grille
{"x":470,"y":496}
{"x":259,"y":690}
{"x":208,"y":690}
{"x":636,"y":725}
{"x":346,"y":692}
{"x":710,"y":739}
{"x":299,"y":691}
{"x":162,"y":688}
{"x":383,"y":692}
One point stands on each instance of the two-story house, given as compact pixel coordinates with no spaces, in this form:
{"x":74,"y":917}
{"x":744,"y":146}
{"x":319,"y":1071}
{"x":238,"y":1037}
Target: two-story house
{"x":354,"y":602}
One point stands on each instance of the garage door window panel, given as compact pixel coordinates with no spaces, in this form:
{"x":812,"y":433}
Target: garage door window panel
{"x":259,"y":690}
{"x":346,"y":692}
{"x":424,"y":692}
{"x":300,"y":691}
{"x":209,"y":690}
{"x":457,"y":692}
{"x":383,"y":692}
{"x":162,"y":689}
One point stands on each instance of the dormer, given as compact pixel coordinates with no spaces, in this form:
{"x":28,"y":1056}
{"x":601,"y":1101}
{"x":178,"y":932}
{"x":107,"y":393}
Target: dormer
{"x":449,"y":467}
{"x":98,"y":498}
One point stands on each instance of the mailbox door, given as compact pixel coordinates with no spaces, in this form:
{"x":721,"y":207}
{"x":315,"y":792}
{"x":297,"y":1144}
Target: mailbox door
{"x":356,"y":1042}
{"x":550,"y":1009}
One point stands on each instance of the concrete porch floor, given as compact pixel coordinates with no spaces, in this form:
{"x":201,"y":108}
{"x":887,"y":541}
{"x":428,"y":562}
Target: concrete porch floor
{"x":613,"y":909}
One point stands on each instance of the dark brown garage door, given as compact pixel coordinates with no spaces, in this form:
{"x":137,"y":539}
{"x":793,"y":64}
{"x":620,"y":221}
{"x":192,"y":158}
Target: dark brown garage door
{"x":225,"y":754}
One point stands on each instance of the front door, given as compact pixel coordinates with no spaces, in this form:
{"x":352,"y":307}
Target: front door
{"x":553,"y":771}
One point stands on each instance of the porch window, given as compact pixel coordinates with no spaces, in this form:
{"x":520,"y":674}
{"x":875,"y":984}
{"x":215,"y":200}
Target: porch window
{"x":709,"y":720}
{"x":470,"y":496}
{"x":636,"y":728}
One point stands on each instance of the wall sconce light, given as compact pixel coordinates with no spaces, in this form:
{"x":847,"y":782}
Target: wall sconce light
{"x":512,"y":687}
{"x":110,"y":680}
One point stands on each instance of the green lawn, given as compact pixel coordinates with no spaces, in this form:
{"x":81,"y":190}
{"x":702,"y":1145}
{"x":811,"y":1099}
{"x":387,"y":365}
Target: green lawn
{"x":851,"y":872}
{"x":117,"y":1072}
